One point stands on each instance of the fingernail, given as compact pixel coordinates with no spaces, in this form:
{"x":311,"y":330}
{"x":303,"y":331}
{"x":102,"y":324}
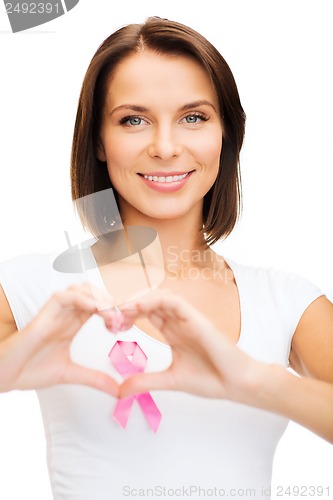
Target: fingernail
{"x":115,"y":323}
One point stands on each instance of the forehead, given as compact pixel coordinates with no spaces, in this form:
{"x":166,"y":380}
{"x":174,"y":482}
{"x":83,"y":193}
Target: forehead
{"x":159,"y":79}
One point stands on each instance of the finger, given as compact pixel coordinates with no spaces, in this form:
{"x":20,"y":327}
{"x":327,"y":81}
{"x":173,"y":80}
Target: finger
{"x":81,"y":375}
{"x":115,"y":321}
{"x":162,"y":302}
{"x":101,"y":299}
{"x":146,"y":382}
{"x":166,"y":309}
{"x":80,"y":298}
{"x":98,"y":301}
{"x":118,"y":321}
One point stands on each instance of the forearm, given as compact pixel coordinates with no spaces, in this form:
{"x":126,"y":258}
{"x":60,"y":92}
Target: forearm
{"x":307,"y":401}
{"x":15,"y":351}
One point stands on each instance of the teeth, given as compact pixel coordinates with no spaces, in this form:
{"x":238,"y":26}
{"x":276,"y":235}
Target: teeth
{"x":170,"y":178}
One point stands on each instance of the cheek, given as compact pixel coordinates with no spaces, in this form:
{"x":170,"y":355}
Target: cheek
{"x":120,"y":158}
{"x":121,"y":155}
{"x":116,"y":169}
{"x":115,"y":151}
{"x":208,"y":150}
{"x":122,"y":150}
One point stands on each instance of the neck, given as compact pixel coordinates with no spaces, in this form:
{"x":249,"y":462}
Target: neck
{"x":181,"y":241}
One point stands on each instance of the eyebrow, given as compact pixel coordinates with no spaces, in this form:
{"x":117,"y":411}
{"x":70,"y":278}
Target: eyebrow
{"x":196,"y":104}
{"x":143,"y":109}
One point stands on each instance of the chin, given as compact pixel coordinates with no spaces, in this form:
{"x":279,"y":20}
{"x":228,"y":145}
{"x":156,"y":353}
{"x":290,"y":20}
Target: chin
{"x":166,"y":214}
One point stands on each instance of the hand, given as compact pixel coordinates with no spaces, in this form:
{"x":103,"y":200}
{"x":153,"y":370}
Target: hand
{"x":39,"y":355}
{"x":204,"y":362}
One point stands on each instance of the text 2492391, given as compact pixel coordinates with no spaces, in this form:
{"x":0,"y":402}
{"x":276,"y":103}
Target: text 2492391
{"x":33,"y":8}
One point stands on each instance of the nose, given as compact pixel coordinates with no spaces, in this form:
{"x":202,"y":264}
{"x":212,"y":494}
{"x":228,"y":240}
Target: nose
{"x":164,"y":144}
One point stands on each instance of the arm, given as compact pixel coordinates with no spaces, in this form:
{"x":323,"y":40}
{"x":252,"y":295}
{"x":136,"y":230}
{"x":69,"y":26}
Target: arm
{"x":206,"y":363}
{"x":312,"y":345}
{"x":7,"y":322}
{"x":39,"y":355}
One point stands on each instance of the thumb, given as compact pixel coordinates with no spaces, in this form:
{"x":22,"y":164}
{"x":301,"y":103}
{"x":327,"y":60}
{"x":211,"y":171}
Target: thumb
{"x":81,"y":375}
{"x":145,"y":382}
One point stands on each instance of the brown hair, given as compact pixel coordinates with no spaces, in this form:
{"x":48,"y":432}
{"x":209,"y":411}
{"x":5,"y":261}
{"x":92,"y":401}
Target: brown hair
{"x":222,"y":203}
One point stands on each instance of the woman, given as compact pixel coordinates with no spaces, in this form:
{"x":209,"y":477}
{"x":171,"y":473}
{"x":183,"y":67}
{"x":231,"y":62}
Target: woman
{"x":160,"y":122}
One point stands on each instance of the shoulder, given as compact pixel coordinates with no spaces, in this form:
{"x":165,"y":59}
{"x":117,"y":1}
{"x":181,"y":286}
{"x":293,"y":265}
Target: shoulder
{"x":28,"y":281}
{"x":289,"y":293}
{"x":26,"y":262}
{"x":28,"y":269}
{"x":312,"y":346}
{"x":275,"y":280}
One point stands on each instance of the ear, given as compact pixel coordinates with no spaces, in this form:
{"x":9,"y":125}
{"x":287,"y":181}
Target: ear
{"x":100,"y":152}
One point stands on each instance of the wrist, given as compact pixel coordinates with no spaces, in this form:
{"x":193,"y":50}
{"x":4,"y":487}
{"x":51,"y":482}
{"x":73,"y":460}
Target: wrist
{"x":264,"y":384}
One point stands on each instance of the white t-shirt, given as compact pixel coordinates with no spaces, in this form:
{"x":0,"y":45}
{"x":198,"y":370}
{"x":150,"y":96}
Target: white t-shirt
{"x":203,"y":447}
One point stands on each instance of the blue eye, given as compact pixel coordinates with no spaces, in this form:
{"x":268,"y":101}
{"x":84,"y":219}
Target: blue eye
{"x":192,"y":118}
{"x":132,"y":121}
{"x":135,"y":120}
{"x":195,"y":118}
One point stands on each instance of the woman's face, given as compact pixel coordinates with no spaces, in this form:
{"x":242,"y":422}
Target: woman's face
{"x":161,"y":135}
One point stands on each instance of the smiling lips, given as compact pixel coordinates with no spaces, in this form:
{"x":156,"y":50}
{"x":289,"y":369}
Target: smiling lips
{"x":164,"y":181}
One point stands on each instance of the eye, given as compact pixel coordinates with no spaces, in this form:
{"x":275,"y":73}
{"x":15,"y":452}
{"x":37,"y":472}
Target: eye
{"x":194,"y":118}
{"x":132,"y":121}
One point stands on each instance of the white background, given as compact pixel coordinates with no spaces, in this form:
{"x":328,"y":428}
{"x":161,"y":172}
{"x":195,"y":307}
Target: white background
{"x":281,"y":56}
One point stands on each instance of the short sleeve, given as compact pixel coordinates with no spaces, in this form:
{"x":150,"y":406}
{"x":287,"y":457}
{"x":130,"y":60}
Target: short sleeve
{"x":28,"y":282}
{"x":272,"y":304}
{"x":296,"y":295}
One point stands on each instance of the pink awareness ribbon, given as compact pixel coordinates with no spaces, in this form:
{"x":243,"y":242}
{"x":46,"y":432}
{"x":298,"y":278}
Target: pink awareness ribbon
{"x":119,"y":356}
